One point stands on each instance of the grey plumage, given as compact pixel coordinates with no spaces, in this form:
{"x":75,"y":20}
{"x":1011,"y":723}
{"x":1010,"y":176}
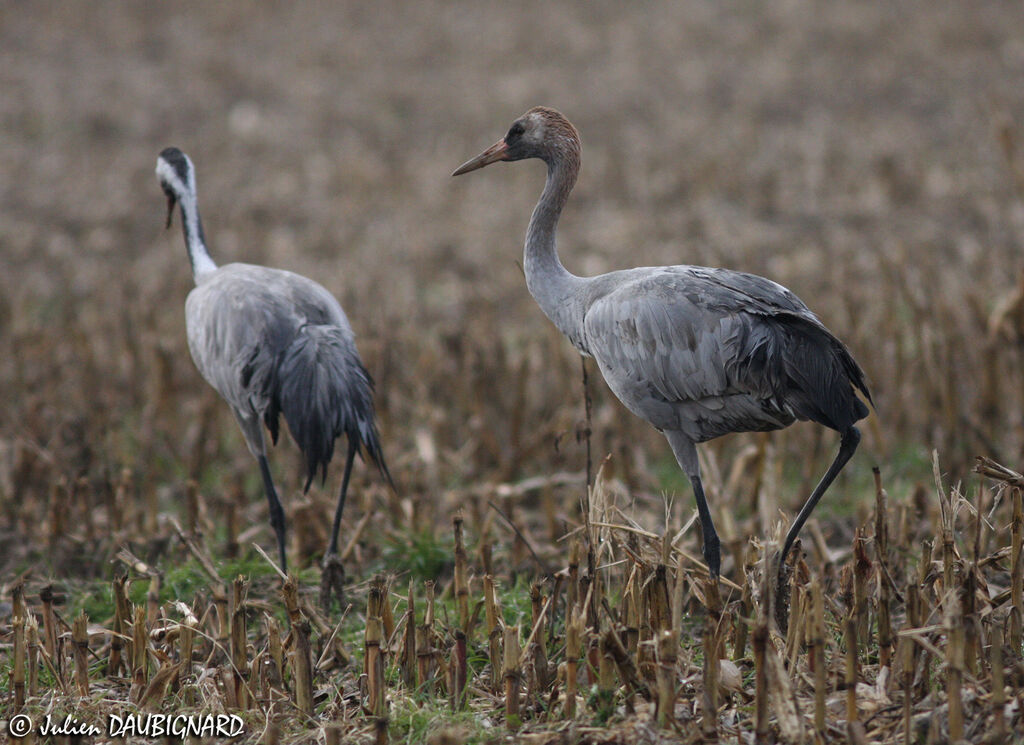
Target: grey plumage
{"x":698,"y":352}
{"x":274,"y":343}
{"x":712,"y":351}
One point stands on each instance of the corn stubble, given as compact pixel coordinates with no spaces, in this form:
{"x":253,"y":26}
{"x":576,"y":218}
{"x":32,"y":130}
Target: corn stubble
{"x":671,"y":653}
{"x":904,"y":244}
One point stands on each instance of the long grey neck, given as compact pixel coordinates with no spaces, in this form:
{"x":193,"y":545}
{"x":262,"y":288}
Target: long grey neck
{"x":195,"y":241}
{"x":556,"y":290}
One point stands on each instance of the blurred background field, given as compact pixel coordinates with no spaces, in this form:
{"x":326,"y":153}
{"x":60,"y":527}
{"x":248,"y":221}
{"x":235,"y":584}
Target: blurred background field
{"x":867,"y":156}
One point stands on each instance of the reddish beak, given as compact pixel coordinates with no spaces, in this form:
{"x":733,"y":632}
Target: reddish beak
{"x":495,"y":152}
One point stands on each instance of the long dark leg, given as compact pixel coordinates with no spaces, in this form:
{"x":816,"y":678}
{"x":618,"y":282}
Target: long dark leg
{"x":712,"y":544}
{"x":686,"y":454}
{"x":847,"y":445}
{"x":332,"y":576}
{"x":276,"y":511}
{"x":332,"y":548}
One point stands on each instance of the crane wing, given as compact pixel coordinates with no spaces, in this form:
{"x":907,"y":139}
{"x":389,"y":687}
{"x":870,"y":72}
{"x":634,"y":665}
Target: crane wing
{"x":271,"y":343}
{"x":683,"y":337}
{"x":241,"y":319}
{"x":711,"y":351}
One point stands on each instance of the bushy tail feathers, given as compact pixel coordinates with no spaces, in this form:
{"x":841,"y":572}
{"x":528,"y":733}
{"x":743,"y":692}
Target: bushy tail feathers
{"x":824,"y":378}
{"x":324,"y":391}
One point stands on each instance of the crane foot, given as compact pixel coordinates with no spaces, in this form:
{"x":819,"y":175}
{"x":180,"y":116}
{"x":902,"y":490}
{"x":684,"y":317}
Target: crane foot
{"x":332,"y":583}
{"x":783,"y":588}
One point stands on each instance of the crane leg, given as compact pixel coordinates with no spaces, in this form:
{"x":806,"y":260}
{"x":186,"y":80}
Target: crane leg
{"x":332,"y":574}
{"x":712,"y":544}
{"x":847,"y":445}
{"x":685,"y":451}
{"x":276,"y":511}
{"x":332,"y":548}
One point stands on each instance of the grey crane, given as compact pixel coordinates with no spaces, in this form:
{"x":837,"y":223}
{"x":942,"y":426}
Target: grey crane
{"x":696,"y":351}
{"x":272,"y":342}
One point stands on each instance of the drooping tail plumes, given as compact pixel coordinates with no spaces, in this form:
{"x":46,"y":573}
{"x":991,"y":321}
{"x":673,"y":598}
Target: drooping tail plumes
{"x":324,"y":391}
{"x":823,"y":377}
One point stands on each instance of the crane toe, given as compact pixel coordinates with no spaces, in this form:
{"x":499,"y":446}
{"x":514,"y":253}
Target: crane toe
{"x":332,"y":582}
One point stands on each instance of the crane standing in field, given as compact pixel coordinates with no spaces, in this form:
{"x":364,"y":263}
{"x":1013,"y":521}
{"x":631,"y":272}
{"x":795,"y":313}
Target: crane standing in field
{"x":698,"y":352}
{"x":272,"y":342}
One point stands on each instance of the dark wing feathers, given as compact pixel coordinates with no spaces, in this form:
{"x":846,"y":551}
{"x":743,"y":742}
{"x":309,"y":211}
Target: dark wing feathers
{"x":814,"y":355}
{"x":324,"y":391}
{"x":260,"y":373}
{"x":822,"y":375}
{"x":724,"y":348}
{"x":272,"y":343}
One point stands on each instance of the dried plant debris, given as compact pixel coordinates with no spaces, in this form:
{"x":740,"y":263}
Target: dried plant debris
{"x":487,"y":658}
{"x":128,"y":507}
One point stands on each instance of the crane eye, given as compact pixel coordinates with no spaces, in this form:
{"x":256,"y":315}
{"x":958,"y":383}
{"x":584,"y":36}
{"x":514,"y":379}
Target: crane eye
{"x":514,"y":131}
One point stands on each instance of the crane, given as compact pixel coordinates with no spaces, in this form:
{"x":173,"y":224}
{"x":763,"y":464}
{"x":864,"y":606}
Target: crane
{"x":272,"y":342}
{"x":698,"y":352}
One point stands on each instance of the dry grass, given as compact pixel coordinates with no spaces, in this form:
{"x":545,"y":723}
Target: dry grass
{"x":590,"y":655}
{"x":867,"y":157}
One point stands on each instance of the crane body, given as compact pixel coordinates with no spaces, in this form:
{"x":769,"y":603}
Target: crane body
{"x":698,"y":352}
{"x":273,"y":343}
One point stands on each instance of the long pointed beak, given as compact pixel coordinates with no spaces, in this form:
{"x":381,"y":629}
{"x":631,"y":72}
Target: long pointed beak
{"x":494,"y":153}
{"x":171,"y":201}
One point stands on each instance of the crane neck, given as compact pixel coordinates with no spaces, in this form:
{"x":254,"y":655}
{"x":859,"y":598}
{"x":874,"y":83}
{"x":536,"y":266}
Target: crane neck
{"x":553,"y":287}
{"x":195,"y":241}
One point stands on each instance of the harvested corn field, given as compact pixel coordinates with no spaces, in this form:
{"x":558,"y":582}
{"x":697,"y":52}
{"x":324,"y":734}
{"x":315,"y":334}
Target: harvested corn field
{"x":536,"y":573}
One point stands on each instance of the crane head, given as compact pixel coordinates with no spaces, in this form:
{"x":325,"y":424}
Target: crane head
{"x":539,"y":133}
{"x":174,"y":169}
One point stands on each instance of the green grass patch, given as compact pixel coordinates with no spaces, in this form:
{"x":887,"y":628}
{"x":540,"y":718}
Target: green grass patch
{"x":414,"y":722}
{"x":422,"y":555}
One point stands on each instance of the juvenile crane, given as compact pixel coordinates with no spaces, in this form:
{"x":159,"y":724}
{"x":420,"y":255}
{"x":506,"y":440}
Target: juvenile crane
{"x":272,"y":342}
{"x":698,"y":352}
